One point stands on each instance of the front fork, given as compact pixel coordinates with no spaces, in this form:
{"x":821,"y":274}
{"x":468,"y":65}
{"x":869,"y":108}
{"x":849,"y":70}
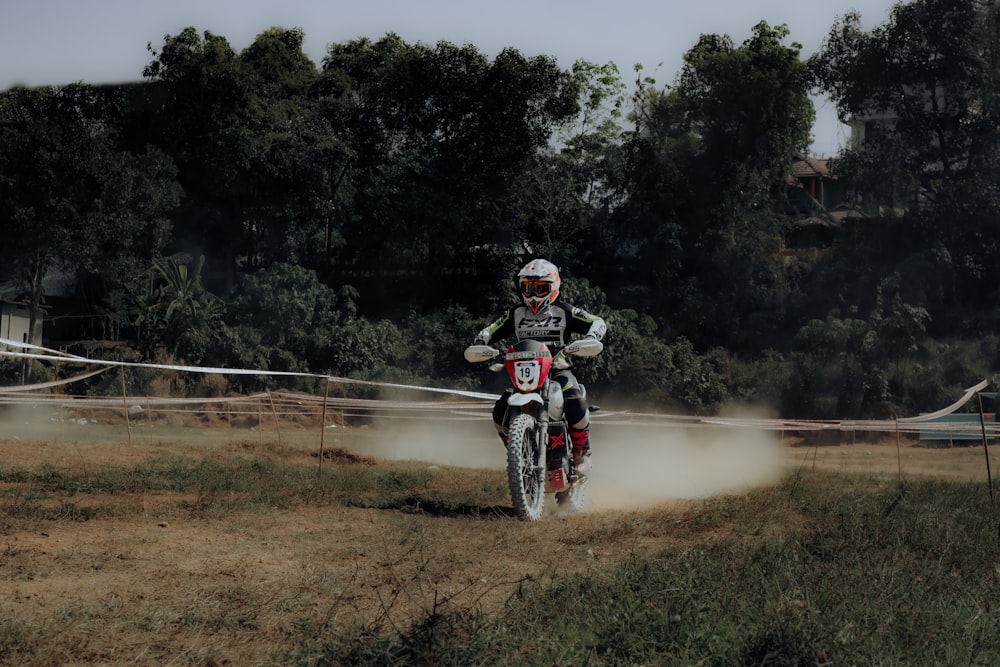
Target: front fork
{"x":541,"y":417}
{"x":553,"y":447}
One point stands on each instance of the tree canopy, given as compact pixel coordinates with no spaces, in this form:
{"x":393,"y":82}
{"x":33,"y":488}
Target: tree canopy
{"x":365,"y":215}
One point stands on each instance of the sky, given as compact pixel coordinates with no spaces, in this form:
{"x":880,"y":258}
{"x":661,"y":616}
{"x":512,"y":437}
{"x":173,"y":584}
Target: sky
{"x":53,"y":42}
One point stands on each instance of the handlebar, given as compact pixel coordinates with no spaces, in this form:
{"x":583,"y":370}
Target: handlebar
{"x":584,"y":347}
{"x":477,"y":353}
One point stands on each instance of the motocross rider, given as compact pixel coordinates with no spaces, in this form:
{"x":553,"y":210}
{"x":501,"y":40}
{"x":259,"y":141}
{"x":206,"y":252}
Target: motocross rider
{"x":546,"y":318}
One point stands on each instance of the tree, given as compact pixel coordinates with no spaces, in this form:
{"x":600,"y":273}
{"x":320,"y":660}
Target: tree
{"x":301,"y":151}
{"x":927,"y":82}
{"x":287,"y":304}
{"x":71,"y":198}
{"x":568,"y":191}
{"x":750,"y":105}
{"x":920,"y":78}
{"x":256,"y":156}
{"x":177,"y":313}
{"x":199,"y":124}
{"x":443,"y":138}
{"x":706,"y":162}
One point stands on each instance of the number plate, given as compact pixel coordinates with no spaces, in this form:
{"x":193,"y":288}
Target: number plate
{"x":526,"y":374}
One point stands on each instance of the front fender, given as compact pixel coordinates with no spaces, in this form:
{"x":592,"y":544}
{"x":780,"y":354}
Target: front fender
{"x":519,"y":400}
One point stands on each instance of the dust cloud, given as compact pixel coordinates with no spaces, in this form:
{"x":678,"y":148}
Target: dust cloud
{"x":634,"y":465}
{"x":465,"y":443}
{"x":638,"y":466}
{"x":29,"y":421}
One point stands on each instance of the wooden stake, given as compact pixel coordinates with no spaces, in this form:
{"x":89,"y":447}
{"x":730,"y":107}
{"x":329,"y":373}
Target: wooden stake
{"x":899,"y":460}
{"x":277,"y":426}
{"x":322,"y":423}
{"x":149,"y":421}
{"x":128,"y":424}
{"x":260,"y":423}
{"x":986,"y":449}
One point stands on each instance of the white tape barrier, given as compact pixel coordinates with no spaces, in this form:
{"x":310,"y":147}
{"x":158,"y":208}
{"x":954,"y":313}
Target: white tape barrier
{"x":50,"y":385}
{"x":951,"y":408}
{"x":293,"y":402}
{"x":54,"y":355}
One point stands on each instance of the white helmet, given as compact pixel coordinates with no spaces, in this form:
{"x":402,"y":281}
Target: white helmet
{"x":539,"y":284}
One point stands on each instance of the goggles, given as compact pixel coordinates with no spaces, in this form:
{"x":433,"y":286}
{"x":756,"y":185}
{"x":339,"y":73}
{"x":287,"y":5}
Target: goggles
{"x":535,"y":288}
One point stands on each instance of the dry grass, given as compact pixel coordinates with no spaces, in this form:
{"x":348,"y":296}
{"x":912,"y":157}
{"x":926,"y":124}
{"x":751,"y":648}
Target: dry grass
{"x":189,"y":576}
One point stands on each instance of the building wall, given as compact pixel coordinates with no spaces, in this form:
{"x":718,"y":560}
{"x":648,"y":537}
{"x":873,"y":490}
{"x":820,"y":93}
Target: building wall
{"x":14,"y":319}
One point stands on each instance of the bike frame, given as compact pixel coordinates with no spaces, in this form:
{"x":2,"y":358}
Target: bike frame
{"x":529,"y":365}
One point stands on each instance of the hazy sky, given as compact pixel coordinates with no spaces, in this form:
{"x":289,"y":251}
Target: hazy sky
{"x":63,"y":41}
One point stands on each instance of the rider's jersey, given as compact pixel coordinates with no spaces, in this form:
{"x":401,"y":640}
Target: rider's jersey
{"x":551,"y":325}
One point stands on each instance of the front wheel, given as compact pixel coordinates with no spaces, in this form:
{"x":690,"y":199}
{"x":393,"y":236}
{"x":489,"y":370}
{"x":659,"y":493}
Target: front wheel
{"x":525,"y":469}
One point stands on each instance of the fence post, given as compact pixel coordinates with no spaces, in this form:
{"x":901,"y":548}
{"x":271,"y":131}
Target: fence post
{"x":322,"y":423}
{"x":128,"y":424}
{"x":986,"y":449}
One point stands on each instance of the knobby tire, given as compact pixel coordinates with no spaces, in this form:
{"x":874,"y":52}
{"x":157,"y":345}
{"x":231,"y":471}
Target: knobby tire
{"x":525,"y":472}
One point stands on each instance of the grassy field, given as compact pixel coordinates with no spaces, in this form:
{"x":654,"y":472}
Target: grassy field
{"x":205,"y":545}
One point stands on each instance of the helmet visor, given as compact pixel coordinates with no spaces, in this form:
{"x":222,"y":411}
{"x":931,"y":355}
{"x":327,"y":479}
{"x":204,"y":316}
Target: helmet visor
{"x":535,"y":287}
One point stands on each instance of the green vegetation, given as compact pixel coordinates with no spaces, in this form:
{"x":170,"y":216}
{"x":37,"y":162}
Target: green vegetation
{"x":363,"y":217}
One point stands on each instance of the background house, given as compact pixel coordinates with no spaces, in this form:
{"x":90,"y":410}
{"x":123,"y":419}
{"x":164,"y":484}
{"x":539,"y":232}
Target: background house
{"x":820,"y":202}
{"x":15,"y":315}
{"x":14,"y":321}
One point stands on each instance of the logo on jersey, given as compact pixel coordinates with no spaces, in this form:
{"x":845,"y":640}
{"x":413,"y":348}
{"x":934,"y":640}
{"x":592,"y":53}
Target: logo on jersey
{"x":550,"y":322}
{"x":548,"y":326}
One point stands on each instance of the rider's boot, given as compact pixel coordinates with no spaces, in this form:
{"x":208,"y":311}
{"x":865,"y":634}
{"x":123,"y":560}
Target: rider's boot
{"x":581,"y":450}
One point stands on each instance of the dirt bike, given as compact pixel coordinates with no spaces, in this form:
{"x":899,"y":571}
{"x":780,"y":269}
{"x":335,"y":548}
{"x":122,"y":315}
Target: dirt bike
{"x":539,"y":455}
